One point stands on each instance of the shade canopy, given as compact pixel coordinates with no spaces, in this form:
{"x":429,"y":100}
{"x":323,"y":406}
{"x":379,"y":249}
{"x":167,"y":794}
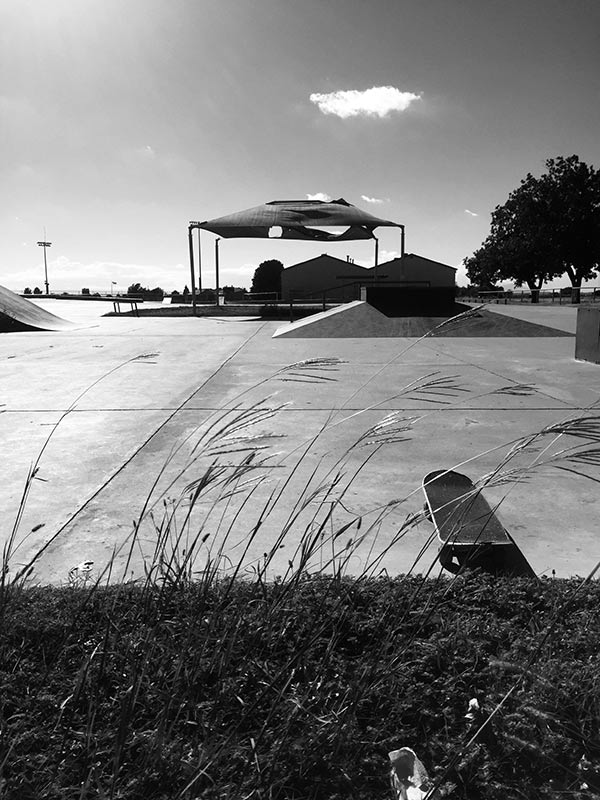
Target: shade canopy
{"x":298,"y":220}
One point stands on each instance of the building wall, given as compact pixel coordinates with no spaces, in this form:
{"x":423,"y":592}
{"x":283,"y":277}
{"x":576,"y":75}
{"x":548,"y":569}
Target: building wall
{"x":416,"y":269}
{"x":340,"y":279}
{"x":323,"y":274}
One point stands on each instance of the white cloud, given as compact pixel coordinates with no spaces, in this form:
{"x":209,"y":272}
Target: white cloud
{"x":388,"y":255}
{"x":379,"y":101}
{"x":146,"y":152}
{"x":471,"y":213}
{"x":65,"y":274}
{"x":372,"y":199}
{"x":319,"y":196}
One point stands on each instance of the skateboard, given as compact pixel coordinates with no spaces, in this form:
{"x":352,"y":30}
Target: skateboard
{"x":470,"y":533}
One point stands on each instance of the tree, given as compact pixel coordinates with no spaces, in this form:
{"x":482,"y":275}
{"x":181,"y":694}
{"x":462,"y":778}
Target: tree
{"x":267,"y":276}
{"x":145,"y":293}
{"x":572,"y":189}
{"x":510,"y":257}
{"x":135,"y":288}
{"x":549,"y":226}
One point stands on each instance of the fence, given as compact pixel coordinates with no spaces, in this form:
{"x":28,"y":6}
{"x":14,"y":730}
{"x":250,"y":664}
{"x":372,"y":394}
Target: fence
{"x":568,"y":295}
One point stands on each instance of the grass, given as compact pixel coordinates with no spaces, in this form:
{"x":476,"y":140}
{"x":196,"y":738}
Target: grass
{"x":213,"y":677}
{"x":238,"y":689}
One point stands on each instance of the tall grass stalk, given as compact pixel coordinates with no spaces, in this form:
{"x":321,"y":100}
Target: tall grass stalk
{"x":212,"y":676}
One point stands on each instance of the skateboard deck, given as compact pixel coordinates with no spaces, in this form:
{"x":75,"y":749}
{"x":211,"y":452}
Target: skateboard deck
{"x":468,"y":527}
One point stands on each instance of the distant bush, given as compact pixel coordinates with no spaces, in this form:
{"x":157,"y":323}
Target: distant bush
{"x":27,"y":290}
{"x":234,"y":293}
{"x":137,"y":290}
{"x":37,"y":290}
{"x":85,"y":290}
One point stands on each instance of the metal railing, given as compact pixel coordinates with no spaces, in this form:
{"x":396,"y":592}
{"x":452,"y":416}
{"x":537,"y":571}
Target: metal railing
{"x":567,"y":295}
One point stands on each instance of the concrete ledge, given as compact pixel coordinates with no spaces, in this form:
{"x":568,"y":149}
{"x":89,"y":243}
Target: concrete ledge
{"x":587,"y":342}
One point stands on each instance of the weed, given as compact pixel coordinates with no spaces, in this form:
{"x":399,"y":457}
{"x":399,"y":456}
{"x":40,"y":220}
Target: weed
{"x":211,"y":676}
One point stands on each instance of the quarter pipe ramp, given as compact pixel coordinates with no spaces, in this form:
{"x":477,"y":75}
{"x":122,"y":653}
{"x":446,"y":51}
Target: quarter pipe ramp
{"x":19,"y":314}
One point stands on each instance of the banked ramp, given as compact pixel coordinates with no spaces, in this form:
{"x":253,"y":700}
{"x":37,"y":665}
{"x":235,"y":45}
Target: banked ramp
{"x":360,"y":320}
{"x":19,"y":314}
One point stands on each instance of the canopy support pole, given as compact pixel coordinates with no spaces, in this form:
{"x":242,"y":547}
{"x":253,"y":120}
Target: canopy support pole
{"x":376,"y":257}
{"x":193,"y":277}
{"x":401,"y":240}
{"x":217,"y":271}
{"x":199,"y":261}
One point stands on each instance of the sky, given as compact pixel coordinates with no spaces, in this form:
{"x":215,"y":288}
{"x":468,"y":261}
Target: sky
{"x":122,"y":120}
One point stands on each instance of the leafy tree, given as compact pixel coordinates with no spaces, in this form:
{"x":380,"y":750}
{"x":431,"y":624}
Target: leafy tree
{"x":27,"y":290}
{"x":37,"y":290}
{"x":267,"y":276}
{"x":147,"y":294}
{"x":572,"y":189}
{"x":549,"y":226}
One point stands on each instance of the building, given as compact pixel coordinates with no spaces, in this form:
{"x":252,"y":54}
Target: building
{"x":415,"y":270}
{"x":338,"y":279}
{"x":411,"y":284}
{"x":408,"y":282}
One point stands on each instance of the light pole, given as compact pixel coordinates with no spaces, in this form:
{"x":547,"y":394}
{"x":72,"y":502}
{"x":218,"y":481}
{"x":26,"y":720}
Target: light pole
{"x":45,"y":245}
{"x":112,"y":291}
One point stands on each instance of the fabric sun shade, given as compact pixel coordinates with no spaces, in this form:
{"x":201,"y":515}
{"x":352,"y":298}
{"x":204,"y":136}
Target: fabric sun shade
{"x":297,"y":220}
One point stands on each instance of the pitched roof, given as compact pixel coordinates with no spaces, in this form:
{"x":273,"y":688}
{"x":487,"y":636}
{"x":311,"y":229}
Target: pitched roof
{"x":339,"y":261}
{"x":408,"y":256}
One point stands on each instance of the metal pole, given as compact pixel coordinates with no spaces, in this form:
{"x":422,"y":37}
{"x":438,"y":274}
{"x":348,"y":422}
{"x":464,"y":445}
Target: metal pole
{"x":45,"y":245}
{"x":376,"y":257}
{"x":46,"y":273}
{"x":199,"y":262}
{"x":402,"y":240}
{"x":191,"y":248}
{"x":217,"y":270}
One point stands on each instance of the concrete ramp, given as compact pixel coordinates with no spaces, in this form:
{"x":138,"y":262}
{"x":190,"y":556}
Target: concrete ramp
{"x":360,"y":320}
{"x":357,"y":320}
{"x":19,"y":314}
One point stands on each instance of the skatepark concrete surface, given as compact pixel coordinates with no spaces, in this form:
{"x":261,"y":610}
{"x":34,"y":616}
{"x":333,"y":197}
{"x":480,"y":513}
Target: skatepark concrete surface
{"x":118,"y":409}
